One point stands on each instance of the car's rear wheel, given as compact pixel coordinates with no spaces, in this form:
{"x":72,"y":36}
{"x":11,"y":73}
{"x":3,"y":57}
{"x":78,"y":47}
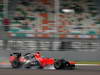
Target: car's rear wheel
{"x":16,"y":64}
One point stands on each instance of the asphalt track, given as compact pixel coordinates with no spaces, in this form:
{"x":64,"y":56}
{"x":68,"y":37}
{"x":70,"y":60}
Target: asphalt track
{"x":47,"y":72}
{"x":80,"y":70}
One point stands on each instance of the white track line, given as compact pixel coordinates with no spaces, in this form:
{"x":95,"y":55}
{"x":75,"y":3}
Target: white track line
{"x":87,"y":64}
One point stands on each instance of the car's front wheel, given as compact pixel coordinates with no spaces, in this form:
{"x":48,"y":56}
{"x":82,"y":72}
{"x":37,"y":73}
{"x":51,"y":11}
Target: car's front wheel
{"x":60,"y":64}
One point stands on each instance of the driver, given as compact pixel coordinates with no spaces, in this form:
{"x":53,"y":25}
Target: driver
{"x":37,"y":55}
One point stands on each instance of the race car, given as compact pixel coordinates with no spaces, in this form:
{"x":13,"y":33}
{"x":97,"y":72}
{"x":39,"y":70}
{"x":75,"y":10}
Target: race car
{"x":30,"y":60}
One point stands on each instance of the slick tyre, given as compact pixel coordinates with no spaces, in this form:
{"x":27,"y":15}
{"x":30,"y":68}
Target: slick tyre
{"x":16,"y":64}
{"x":60,"y":64}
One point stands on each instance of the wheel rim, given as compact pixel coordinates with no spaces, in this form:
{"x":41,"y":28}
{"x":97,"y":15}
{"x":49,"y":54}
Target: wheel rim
{"x":57,"y":64}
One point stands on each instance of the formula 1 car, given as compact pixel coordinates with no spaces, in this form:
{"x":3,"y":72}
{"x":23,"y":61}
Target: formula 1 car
{"x":30,"y":60}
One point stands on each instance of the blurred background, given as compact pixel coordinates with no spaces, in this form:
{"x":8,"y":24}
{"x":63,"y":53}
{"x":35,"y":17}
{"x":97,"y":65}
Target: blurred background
{"x":57,"y":28}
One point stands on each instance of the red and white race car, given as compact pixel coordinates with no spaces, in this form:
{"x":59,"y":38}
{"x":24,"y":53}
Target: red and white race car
{"x":30,"y":60}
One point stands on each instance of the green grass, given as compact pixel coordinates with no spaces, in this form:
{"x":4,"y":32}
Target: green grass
{"x":88,"y":62}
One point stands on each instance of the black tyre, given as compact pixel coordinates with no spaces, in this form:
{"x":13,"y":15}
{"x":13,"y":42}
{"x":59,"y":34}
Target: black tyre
{"x":60,"y":64}
{"x":16,"y":64}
